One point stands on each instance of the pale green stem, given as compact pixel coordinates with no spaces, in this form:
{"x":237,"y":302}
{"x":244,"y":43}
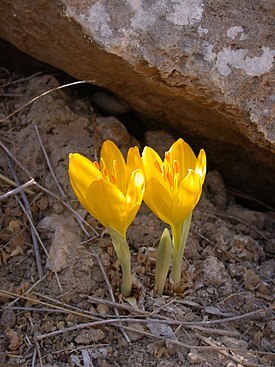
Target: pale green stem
{"x":180,"y":235}
{"x":123,"y":253}
{"x":163,"y":259}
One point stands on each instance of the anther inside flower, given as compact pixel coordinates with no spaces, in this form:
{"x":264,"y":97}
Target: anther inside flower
{"x":170,"y":172}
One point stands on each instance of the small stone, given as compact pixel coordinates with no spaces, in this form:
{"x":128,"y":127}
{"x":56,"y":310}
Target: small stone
{"x":58,"y":208}
{"x":103,"y":309}
{"x":215,"y":271}
{"x":111,"y":128}
{"x":60,"y":325}
{"x":159,"y":140}
{"x":89,"y":336}
{"x":43,"y":203}
{"x":253,"y":282}
{"x":214,"y":186}
{"x":8,"y":319}
{"x":194,"y":357}
{"x":14,"y":338}
{"x":110,"y":104}
{"x":136,"y":336}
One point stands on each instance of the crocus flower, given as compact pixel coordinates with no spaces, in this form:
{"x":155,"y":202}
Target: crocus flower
{"x":173,"y":189}
{"x":111,"y":190}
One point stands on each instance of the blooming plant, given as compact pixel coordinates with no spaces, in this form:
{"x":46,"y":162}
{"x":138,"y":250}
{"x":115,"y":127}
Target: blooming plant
{"x":173,"y":189}
{"x":111,"y":190}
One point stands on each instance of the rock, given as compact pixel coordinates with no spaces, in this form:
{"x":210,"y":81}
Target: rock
{"x":109,"y":104}
{"x":89,"y":335}
{"x":194,"y":357}
{"x":159,"y":140}
{"x":199,"y":67}
{"x":77,"y":272}
{"x":252,"y":282}
{"x":8,"y":319}
{"x":214,"y":270}
{"x":66,"y":236}
{"x":110,"y":128}
{"x":215,"y":189}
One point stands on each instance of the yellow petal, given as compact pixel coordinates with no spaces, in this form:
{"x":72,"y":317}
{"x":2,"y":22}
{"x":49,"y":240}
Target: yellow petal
{"x":82,"y":170}
{"x":152,"y":164}
{"x":134,"y":195}
{"x":108,"y":205}
{"x":159,"y":200}
{"x":82,"y":173}
{"x":200,"y":166}
{"x":114,"y":162}
{"x":184,"y":155}
{"x":186,"y":198}
{"x":133,"y":160}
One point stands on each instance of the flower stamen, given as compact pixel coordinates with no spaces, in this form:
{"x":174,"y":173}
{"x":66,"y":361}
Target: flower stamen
{"x":167,"y":157}
{"x":170,"y":179}
{"x":158,"y":166}
{"x":96,"y":164}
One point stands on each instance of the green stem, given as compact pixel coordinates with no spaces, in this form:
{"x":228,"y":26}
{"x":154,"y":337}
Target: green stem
{"x":180,"y":235}
{"x":123,"y":253}
{"x":163,"y":258}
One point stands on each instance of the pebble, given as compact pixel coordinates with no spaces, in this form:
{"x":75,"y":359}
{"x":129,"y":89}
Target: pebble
{"x":110,"y":128}
{"x":214,"y":271}
{"x":89,"y":336}
{"x":194,"y":357}
{"x":159,"y":140}
{"x":215,"y":188}
{"x":8,"y":319}
{"x":110,"y":104}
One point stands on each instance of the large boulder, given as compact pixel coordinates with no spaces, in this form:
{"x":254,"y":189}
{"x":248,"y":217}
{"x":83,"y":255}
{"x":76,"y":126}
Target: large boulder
{"x":203,"y":67}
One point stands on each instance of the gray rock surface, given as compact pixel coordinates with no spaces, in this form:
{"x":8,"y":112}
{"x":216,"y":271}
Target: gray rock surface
{"x":204,"y":67}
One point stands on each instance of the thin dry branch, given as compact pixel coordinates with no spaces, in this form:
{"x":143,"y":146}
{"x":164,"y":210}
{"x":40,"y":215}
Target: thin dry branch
{"x":232,"y":217}
{"x":227,"y":352}
{"x":43,"y":95}
{"x":44,"y":189}
{"x":110,"y":290}
{"x":132,"y":310}
{"x":40,"y":241}
{"x":55,"y":178}
{"x":18,"y":189}
{"x":138,"y":320}
{"x":20,"y":80}
{"x":27,"y":210}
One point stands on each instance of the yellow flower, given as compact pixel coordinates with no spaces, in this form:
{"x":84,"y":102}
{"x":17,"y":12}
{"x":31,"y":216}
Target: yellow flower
{"x":173,"y":189}
{"x":111,"y":190}
{"x":173,"y":186}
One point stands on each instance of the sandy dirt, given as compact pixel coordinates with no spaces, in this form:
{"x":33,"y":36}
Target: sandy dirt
{"x":67,"y":313}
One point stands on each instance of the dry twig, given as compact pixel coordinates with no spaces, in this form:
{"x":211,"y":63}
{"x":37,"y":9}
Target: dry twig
{"x":44,"y":94}
{"x":110,"y":290}
{"x":18,"y":189}
{"x":28,"y":212}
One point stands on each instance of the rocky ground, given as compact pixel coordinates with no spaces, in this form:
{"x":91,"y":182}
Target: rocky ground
{"x":60,"y":305}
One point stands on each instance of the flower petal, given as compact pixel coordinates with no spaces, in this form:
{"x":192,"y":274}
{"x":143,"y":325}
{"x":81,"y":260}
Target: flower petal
{"x":152,"y":164}
{"x":186,"y":198}
{"x":82,"y":170}
{"x":134,"y":195}
{"x":184,"y":155}
{"x":200,"y":166}
{"x":159,"y":200}
{"x":107,"y":204}
{"x":82,"y":173}
{"x":133,"y":160}
{"x":110,"y":153}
